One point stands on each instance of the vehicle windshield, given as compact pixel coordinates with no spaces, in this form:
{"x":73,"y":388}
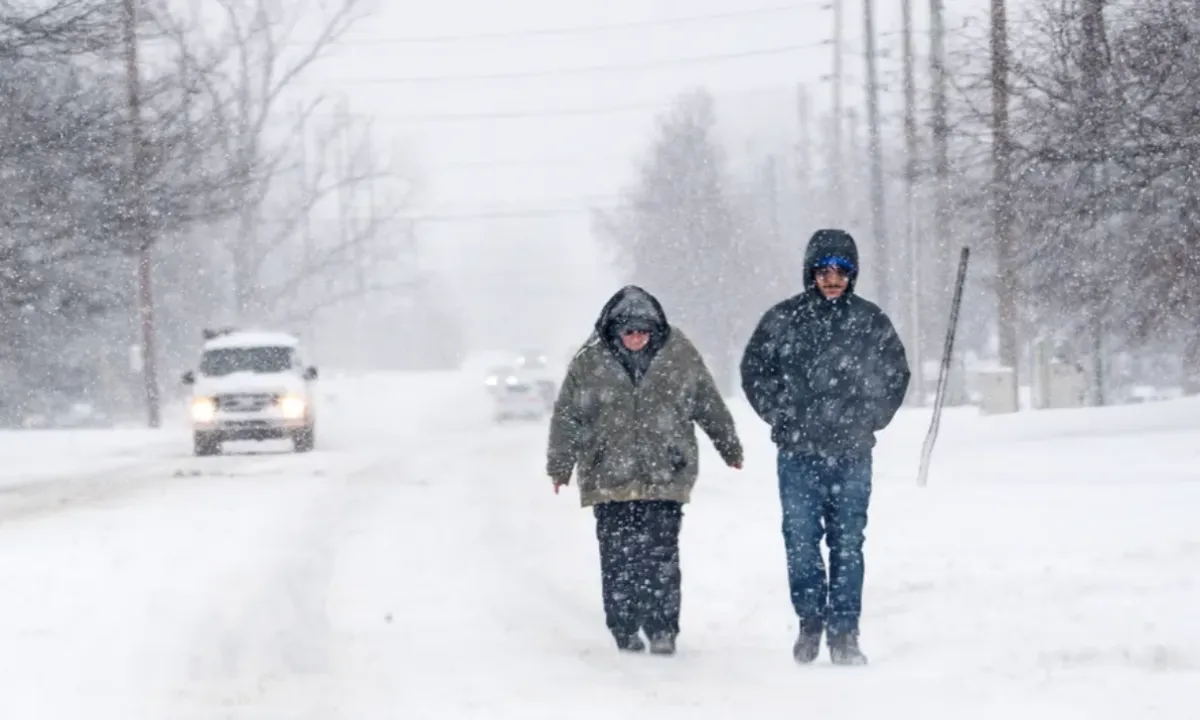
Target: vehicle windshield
{"x":225,"y":361}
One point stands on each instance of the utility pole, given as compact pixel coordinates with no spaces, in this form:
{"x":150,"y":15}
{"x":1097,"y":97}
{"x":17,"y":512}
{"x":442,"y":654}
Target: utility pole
{"x":938,"y":278}
{"x":1094,"y":126}
{"x":855,"y":174}
{"x":1002,"y":202}
{"x":875,"y":151}
{"x":306,"y":177}
{"x":939,"y":266}
{"x":143,"y":241}
{"x":804,"y":154}
{"x":836,"y":173}
{"x":344,"y":195}
{"x":771,"y":177}
{"x":912,"y":242}
{"x":804,"y":164}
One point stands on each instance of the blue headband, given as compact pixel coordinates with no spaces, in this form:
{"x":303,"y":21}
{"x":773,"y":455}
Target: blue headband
{"x":836,"y":261}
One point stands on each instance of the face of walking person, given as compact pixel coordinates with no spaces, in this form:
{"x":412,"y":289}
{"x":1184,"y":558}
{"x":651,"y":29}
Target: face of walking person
{"x":635,"y":340}
{"x":832,"y":281}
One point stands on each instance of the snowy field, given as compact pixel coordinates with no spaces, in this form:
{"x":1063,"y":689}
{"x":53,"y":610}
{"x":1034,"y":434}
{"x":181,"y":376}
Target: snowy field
{"x":417,"y":565}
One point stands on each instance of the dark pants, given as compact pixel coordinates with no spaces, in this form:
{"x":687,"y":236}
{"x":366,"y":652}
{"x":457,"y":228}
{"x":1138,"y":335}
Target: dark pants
{"x":825,"y":497}
{"x":639,"y":565}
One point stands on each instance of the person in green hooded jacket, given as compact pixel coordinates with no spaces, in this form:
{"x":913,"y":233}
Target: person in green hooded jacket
{"x":624,"y":424}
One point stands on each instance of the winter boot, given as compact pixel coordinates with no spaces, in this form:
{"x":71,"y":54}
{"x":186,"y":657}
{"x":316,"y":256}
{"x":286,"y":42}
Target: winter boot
{"x":844,"y":650}
{"x":630,"y":643}
{"x":662,"y":645}
{"x":808,"y":643}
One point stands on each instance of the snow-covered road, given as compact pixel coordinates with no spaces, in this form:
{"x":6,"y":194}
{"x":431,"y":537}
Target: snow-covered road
{"x":418,"y":566}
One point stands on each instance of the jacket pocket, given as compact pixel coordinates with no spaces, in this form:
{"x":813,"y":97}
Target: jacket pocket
{"x":597,"y":459}
{"x":678,"y":460}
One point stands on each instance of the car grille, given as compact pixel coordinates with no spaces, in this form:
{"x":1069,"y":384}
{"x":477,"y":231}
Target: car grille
{"x":244,"y":402}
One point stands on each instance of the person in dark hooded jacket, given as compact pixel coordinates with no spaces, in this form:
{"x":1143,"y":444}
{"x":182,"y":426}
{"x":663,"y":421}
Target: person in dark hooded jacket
{"x":826,"y":370}
{"x":624,"y":422}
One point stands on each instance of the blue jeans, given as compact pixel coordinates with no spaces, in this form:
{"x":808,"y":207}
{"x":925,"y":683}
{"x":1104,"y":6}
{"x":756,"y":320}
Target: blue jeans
{"x":828,"y":497}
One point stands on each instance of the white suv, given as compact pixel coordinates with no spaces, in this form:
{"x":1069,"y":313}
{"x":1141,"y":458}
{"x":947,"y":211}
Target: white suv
{"x":251,"y":385}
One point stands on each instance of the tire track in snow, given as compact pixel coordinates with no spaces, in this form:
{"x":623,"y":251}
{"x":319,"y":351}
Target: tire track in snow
{"x":27,"y":501}
{"x":274,"y":652}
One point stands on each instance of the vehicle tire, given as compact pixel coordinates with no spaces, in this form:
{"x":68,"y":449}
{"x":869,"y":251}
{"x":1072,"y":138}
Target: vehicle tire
{"x":305,"y":440}
{"x":205,"y":444}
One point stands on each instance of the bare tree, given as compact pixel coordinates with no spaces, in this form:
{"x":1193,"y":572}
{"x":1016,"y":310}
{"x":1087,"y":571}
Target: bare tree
{"x":279,"y":269}
{"x":60,"y":28}
{"x":331,"y":218}
{"x":1103,"y":123}
{"x":65,"y":244}
{"x":682,"y":235}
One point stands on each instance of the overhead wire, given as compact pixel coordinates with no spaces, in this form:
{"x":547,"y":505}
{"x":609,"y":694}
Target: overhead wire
{"x":585,"y":111}
{"x":557,"y":72}
{"x":587,"y":70}
{"x":587,"y":29}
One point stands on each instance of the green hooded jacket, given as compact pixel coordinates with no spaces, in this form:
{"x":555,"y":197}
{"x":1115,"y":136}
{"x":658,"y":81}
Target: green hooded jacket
{"x":624,"y":422}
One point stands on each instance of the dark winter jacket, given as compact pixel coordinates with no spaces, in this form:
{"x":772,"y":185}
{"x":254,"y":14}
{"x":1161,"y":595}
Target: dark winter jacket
{"x":826,"y":375}
{"x":625,"y":422}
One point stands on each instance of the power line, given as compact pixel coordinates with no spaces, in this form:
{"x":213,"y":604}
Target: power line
{"x":585,"y":29}
{"x":713,"y":57}
{"x":522,"y":214}
{"x":574,"y":161}
{"x":416,"y":118}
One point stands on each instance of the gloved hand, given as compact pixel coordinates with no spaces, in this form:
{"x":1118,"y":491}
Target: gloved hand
{"x":559,"y":482}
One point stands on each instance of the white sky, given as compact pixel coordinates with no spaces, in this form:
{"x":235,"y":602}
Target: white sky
{"x":523,"y":280}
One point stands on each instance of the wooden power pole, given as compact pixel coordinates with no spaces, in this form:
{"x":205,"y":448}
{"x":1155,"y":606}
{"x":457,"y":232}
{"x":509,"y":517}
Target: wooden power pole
{"x":939,"y":266}
{"x":143,"y":241}
{"x":875,"y":157}
{"x":1092,"y":65}
{"x":1002,"y":199}
{"x":836,"y":163}
{"x":912,"y":242}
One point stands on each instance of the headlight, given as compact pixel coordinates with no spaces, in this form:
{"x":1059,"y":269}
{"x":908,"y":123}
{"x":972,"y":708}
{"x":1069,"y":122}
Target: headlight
{"x":203,"y":409}
{"x":512,"y":381}
{"x":292,"y":407}
{"x":492,"y":381}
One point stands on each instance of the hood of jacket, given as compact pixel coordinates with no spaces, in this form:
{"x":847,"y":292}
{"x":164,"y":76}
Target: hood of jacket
{"x":633,"y":308}
{"x":830,"y":243}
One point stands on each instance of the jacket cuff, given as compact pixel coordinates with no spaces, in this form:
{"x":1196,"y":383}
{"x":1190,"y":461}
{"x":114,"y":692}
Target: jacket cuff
{"x":558,"y":469}
{"x":731,"y":453}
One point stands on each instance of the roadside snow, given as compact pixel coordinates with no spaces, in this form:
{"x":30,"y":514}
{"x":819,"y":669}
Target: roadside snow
{"x":419,"y":566}
{"x":34,"y":455}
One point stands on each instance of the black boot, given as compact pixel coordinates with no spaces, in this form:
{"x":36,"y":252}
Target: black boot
{"x":808,"y":643}
{"x":844,"y":650}
{"x":662,"y":645}
{"x":630,"y":643}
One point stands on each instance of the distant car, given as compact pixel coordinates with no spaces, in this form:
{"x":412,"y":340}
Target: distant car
{"x":496,"y":377}
{"x":533,"y":361}
{"x":514,"y":396}
{"x":252,"y":385}
{"x":535,"y":366}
